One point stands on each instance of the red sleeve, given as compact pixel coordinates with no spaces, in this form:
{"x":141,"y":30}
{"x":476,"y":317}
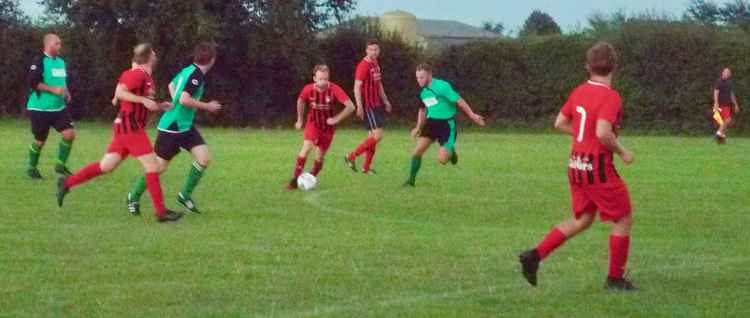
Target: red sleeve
{"x":340,"y":94}
{"x":304,"y":95}
{"x":611,"y":111}
{"x":363,"y":71}
{"x":132,"y":80}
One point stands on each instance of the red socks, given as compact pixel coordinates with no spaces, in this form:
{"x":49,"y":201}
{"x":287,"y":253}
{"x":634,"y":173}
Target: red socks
{"x":154,"y":188}
{"x":299,"y":167}
{"x":366,"y":145}
{"x":317,"y":166}
{"x":87,"y":173}
{"x":618,"y":255}
{"x":552,"y":241}
{"x":369,"y":156}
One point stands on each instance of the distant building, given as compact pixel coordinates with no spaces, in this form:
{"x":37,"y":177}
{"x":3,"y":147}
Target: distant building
{"x":433,"y":35}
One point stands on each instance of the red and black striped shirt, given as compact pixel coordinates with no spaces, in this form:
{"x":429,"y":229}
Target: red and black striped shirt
{"x":321,"y":104}
{"x":132,"y":116}
{"x":368,"y":71}
{"x":590,"y":161}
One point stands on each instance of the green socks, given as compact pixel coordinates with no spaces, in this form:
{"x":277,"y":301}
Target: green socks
{"x":196,"y":172}
{"x":416,"y":163}
{"x":34,"y":152}
{"x":64,"y":152}
{"x":138,"y":189}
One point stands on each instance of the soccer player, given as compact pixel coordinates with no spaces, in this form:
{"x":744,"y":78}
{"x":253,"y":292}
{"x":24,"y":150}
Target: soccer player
{"x":134,"y":93}
{"x":592,"y":117}
{"x":436,"y":120}
{"x":725,"y":102}
{"x":48,"y":96}
{"x":320,"y":96}
{"x":372,"y":104}
{"x":177,"y":128}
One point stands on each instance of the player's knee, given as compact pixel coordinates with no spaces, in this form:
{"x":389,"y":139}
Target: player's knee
{"x":443,"y":160}
{"x":69,"y":134}
{"x":107,"y":167}
{"x":40,"y":143}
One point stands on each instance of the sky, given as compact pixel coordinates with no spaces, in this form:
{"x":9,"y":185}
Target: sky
{"x":569,"y":14}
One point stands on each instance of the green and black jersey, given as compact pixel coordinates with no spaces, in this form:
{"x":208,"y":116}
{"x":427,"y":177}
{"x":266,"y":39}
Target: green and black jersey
{"x":50,"y":71}
{"x":180,"y":118}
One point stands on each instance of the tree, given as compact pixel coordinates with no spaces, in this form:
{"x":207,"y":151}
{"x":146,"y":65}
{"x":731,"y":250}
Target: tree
{"x":492,"y":26}
{"x":703,"y":11}
{"x":540,"y":24}
{"x":730,"y":14}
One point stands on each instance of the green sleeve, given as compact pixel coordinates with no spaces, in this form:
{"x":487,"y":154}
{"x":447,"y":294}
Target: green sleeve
{"x":447,"y":91}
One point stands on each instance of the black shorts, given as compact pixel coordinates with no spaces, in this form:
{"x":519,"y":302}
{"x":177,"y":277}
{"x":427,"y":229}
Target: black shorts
{"x":374,"y":118}
{"x":445,"y":131}
{"x":42,"y":121}
{"x":168,"y":144}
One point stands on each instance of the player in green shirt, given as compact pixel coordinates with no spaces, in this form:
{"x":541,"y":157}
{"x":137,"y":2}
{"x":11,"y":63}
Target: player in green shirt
{"x":48,"y":96}
{"x":177,"y":128}
{"x":436,"y":120}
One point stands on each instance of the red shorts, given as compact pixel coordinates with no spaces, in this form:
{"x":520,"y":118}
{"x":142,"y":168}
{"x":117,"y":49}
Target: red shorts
{"x":726,"y":112}
{"x":136,"y":144}
{"x":611,"y":200}
{"x":320,"y":138}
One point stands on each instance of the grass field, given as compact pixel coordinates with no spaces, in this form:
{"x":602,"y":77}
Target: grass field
{"x":362,"y":246}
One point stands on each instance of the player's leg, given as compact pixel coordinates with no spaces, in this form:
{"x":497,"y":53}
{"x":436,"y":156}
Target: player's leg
{"x":307,"y":146}
{"x":373,"y":124}
{"x":40,"y":130}
{"x":151,"y":169}
{"x":109,"y":163}
{"x":201,"y":160}
{"x":619,"y":248}
{"x":166,"y":148}
{"x":423,"y":143}
{"x":64,"y":124}
{"x":319,"y":157}
{"x":378,"y":118}
{"x":134,"y":196}
{"x":530,"y":259}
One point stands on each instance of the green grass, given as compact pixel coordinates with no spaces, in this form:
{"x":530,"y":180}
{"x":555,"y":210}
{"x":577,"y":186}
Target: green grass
{"x":362,"y":246}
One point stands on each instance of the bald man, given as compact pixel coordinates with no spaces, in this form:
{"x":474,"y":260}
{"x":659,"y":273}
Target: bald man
{"x":725,"y":103}
{"x":48,"y":97}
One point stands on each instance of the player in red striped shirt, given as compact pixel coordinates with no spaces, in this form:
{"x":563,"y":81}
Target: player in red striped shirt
{"x":135,"y":93}
{"x":320,"y":96}
{"x":592,"y":116}
{"x":372,"y":104}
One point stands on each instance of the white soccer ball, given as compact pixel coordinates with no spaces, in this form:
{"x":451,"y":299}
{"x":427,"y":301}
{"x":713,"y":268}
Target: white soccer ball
{"x":307,"y":182}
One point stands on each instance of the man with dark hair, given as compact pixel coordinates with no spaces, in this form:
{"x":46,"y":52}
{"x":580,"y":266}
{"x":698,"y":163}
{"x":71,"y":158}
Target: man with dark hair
{"x":321,"y":96}
{"x":436,"y":120}
{"x":725,"y":104}
{"x":177,"y":127}
{"x":135,"y":96}
{"x":48,"y":97}
{"x":372,"y":104}
{"x":592,"y":117}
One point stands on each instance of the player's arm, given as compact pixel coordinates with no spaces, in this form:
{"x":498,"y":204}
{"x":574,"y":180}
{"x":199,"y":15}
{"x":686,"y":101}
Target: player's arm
{"x":384,"y":98}
{"x":188,"y":101}
{"x":67,"y":95}
{"x":736,"y":104}
{"x":464,"y":106}
{"x":349,"y":108}
{"x":421,"y":120}
{"x":358,"y":98}
{"x":35,"y":79}
{"x":300,"y":113}
{"x":123,"y":94}
{"x":171,"y":90}
{"x":606,"y":135}
{"x":716,"y":99}
{"x":564,"y":124}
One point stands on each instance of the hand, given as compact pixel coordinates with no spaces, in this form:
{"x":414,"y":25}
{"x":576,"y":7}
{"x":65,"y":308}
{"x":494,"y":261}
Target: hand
{"x":717,"y":108}
{"x":213,"y":106}
{"x":388,"y":107}
{"x":165,"y":106}
{"x":332,"y":121}
{"x":627,"y":157}
{"x":59,"y":91}
{"x":298,"y":125}
{"x":68,"y":98}
{"x":737,"y":109}
{"x":360,"y":113}
{"x":114,"y":101}
{"x":150,"y":104}
{"x":478,"y":119}
{"x":416,"y":132}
